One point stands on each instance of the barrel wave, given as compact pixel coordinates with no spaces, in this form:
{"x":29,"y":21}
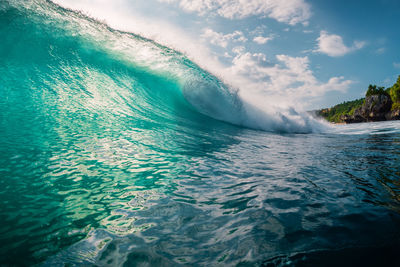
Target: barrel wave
{"x":118,"y":151}
{"x":74,"y":55}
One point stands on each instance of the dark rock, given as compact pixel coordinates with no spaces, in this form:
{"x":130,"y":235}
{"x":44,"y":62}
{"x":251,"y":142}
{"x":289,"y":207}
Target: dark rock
{"x":375,"y":108}
{"x":393,"y":115}
{"x":351,"y":118}
{"x":358,"y":115}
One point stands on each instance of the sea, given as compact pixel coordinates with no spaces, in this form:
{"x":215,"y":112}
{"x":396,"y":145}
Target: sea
{"x":118,"y":151}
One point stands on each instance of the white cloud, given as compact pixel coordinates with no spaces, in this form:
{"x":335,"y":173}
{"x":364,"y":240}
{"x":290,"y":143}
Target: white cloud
{"x":333,"y":45}
{"x":262,"y":40}
{"x":290,"y":78}
{"x":358,"y":45}
{"x":238,"y":49}
{"x":223,"y":40}
{"x":380,"y":50}
{"x":259,"y":30}
{"x":289,"y":11}
{"x":396,"y":65}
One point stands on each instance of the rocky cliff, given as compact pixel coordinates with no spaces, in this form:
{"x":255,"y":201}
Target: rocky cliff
{"x":375,"y":108}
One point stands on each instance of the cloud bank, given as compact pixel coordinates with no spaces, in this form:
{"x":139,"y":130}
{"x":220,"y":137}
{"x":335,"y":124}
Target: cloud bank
{"x":291,"y":12}
{"x":289,"y":78}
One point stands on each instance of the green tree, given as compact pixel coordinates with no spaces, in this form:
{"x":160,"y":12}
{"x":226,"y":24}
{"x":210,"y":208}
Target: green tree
{"x":374,"y":90}
{"x":371,"y":90}
{"x":395,"y":91}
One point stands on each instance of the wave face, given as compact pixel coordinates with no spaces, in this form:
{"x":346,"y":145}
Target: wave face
{"x":116,"y":150}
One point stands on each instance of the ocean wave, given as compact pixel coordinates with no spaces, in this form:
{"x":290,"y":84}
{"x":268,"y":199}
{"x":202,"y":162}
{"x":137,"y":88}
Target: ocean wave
{"x":79,"y":46}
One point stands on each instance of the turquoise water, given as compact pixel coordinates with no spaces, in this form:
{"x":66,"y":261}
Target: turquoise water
{"x":116,"y":151}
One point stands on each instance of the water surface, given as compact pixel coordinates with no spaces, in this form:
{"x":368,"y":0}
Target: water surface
{"x":116,"y":151}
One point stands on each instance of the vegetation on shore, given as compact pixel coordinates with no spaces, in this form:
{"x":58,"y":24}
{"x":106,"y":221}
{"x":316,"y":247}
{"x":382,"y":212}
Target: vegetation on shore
{"x":334,"y":113}
{"x":338,"y":112}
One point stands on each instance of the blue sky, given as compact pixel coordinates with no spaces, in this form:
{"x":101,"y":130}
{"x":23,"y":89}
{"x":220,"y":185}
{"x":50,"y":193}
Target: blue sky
{"x":305,"y":52}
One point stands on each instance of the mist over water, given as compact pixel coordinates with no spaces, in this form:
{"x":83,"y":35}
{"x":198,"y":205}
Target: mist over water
{"x":116,"y":150}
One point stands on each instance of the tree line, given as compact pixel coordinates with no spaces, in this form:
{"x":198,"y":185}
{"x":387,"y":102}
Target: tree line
{"x":334,"y":113}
